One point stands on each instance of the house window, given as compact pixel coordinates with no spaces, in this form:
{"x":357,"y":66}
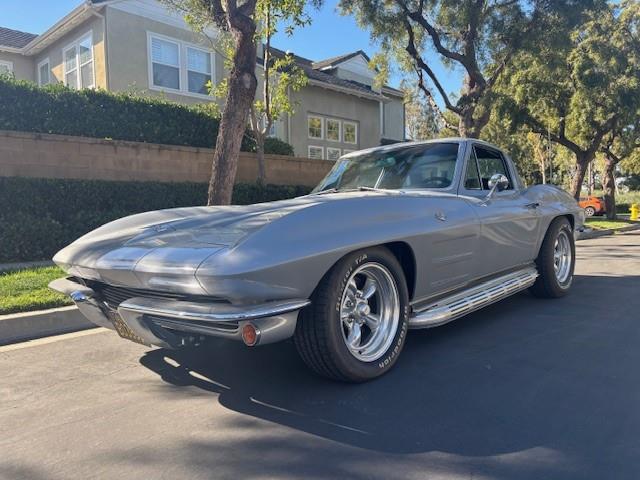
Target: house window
{"x":333,"y":153}
{"x":316,"y":153}
{"x":350,"y":132}
{"x":333,"y":130}
{"x":78,"y":63}
{"x":44,"y":72}
{"x":345,"y":151}
{"x":165,"y":60}
{"x":198,"y":70}
{"x":314,"y":126}
{"x":272,"y":130}
{"x":179,"y":66}
{"x":6,"y":67}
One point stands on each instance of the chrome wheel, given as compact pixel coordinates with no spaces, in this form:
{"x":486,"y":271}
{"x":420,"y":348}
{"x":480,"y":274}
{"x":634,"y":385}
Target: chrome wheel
{"x":589,"y":211}
{"x":369,"y":312}
{"x":562,"y":257}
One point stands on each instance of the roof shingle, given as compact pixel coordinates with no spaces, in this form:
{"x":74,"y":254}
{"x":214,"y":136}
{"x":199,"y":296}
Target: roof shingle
{"x":14,"y":38}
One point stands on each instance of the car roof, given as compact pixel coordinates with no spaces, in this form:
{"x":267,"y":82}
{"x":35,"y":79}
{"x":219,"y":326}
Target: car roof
{"x":401,"y":145}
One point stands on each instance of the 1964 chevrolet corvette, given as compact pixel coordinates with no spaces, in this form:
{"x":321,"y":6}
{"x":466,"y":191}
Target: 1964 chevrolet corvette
{"x":394,"y":238}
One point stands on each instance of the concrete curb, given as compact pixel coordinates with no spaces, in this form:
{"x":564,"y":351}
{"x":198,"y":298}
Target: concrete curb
{"x":8,"y":267}
{"x":18,"y":327}
{"x":603,"y":233}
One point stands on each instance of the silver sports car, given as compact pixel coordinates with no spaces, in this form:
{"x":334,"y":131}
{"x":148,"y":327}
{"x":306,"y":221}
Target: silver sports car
{"x":399,"y":237}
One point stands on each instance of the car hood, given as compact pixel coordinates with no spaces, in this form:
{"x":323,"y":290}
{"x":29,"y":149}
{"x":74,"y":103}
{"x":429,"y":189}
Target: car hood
{"x":163,"y":249}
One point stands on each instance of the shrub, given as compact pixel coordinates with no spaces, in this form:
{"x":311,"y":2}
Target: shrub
{"x":40,"y":216}
{"x":119,"y":116}
{"x":277,"y":146}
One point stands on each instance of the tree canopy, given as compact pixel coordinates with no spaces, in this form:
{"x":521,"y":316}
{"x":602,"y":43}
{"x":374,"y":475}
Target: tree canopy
{"x":580,"y":94}
{"x":478,"y":37}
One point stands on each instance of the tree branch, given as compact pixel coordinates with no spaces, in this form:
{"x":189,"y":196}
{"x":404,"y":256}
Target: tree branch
{"x":432,"y":101}
{"x":413,"y":52}
{"x":559,"y":138}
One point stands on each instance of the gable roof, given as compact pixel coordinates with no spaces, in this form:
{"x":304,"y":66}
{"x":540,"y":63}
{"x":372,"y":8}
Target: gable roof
{"x":14,"y":38}
{"x":333,"y":61}
{"x":315,"y":74}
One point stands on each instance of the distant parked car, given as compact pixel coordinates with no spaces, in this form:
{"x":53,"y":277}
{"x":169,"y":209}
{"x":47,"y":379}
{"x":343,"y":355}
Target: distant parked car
{"x":592,"y":205}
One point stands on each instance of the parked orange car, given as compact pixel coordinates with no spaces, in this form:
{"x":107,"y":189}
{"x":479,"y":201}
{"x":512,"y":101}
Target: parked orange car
{"x":592,"y":205}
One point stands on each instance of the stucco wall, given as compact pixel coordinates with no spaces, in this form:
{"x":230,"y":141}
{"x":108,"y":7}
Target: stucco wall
{"x":394,"y":119}
{"x":23,"y":67}
{"x":128,"y":57}
{"x":54,"y":52}
{"x":59,"y":156}
{"x":329,"y":103}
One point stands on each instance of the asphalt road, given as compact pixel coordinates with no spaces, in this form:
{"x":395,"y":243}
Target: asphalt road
{"x":526,"y":388}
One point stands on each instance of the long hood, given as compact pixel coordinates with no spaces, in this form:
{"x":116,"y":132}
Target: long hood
{"x":164,"y":249}
{"x":173,"y":241}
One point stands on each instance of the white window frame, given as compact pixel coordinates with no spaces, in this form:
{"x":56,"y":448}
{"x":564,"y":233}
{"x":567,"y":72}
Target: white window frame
{"x":187,"y":46}
{"x":40,"y":65}
{"x":76,"y":45}
{"x":183,"y":71}
{"x":309,"y":117}
{"x":8,"y":64}
{"x":355,"y":124}
{"x":339,"y":130}
{"x":335,"y":149}
{"x":315,"y":146}
{"x":161,"y":88}
{"x":346,"y":151}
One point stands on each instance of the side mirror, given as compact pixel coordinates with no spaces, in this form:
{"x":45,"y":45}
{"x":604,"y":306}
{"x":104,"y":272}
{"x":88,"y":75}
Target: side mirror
{"x":497,"y":183}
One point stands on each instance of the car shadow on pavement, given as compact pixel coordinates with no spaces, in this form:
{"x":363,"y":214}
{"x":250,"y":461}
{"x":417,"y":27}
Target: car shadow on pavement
{"x":517,"y":375}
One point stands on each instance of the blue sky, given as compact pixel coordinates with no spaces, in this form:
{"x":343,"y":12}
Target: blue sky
{"x":329,"y":35}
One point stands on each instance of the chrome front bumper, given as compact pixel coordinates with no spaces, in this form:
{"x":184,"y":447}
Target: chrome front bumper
{"x":168,"y":323}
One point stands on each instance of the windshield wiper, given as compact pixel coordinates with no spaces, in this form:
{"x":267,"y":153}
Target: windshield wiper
{"x":322,"y":192}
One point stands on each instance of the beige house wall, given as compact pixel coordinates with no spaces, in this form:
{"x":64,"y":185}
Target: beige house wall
{"x":128,"y":54}
{"x":23,"y":67}
{"x":55,"y":55}
{"x":60,"y":156}
{"x":394,"y":119}
{"x":328,"y":103}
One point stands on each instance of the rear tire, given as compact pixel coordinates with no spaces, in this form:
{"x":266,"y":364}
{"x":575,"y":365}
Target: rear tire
{"x":356,"y":325}
{"x":589,"y":211}
{"x":556,"y":261}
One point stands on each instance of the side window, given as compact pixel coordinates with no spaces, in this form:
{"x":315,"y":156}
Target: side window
{"x":471,"y":176}
{"x":490,"y":162}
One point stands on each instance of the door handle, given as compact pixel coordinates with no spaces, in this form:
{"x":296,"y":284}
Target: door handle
{"x":532,"y":205}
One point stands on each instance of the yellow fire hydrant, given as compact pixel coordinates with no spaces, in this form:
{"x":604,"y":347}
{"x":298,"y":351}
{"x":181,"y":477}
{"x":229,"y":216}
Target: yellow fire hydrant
{"x":634,"y":211}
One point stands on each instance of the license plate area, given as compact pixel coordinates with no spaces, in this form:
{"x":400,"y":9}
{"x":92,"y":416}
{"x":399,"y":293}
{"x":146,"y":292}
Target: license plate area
{"x":122,"y":328}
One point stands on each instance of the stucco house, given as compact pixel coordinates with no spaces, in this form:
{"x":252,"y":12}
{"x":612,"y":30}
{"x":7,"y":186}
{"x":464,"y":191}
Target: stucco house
{"x":122,"y":45}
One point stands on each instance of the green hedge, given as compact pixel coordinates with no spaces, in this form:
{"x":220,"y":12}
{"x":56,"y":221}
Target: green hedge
{"x":119,"y":116}
{"x":40,"y":216}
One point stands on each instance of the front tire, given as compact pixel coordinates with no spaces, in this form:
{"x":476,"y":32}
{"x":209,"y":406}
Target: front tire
{"x":556,"y":261}
{"x":356,"y":325}
{"x":589,"y":211}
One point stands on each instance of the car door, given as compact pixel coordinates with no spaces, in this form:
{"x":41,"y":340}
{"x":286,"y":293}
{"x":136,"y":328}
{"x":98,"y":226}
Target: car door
{"x":509,"y":220}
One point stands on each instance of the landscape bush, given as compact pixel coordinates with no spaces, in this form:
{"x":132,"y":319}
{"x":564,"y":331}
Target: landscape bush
{"x":57,"y":109}
{"x":40,"y":216}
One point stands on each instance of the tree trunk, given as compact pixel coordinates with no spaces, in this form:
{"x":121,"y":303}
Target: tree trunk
{"x":262,"y":173}
{"x":609,"y":187}
{"x":233,"y":123}
{"x":582,"y":162}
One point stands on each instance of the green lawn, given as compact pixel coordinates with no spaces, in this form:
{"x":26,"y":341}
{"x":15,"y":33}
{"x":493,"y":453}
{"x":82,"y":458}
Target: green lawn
{"x":26,"y":290}
{"x":598,"y":224}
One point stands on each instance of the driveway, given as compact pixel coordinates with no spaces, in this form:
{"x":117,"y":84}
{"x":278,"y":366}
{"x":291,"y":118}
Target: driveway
{"x":527,"y":388}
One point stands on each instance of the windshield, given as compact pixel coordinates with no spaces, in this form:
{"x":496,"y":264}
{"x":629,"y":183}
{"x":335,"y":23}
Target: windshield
{"x":417,"y":166}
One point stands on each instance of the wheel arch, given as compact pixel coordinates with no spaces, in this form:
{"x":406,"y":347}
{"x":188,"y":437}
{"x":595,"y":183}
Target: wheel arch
{"x":568,"y":216}
{"x":405,"y":256}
